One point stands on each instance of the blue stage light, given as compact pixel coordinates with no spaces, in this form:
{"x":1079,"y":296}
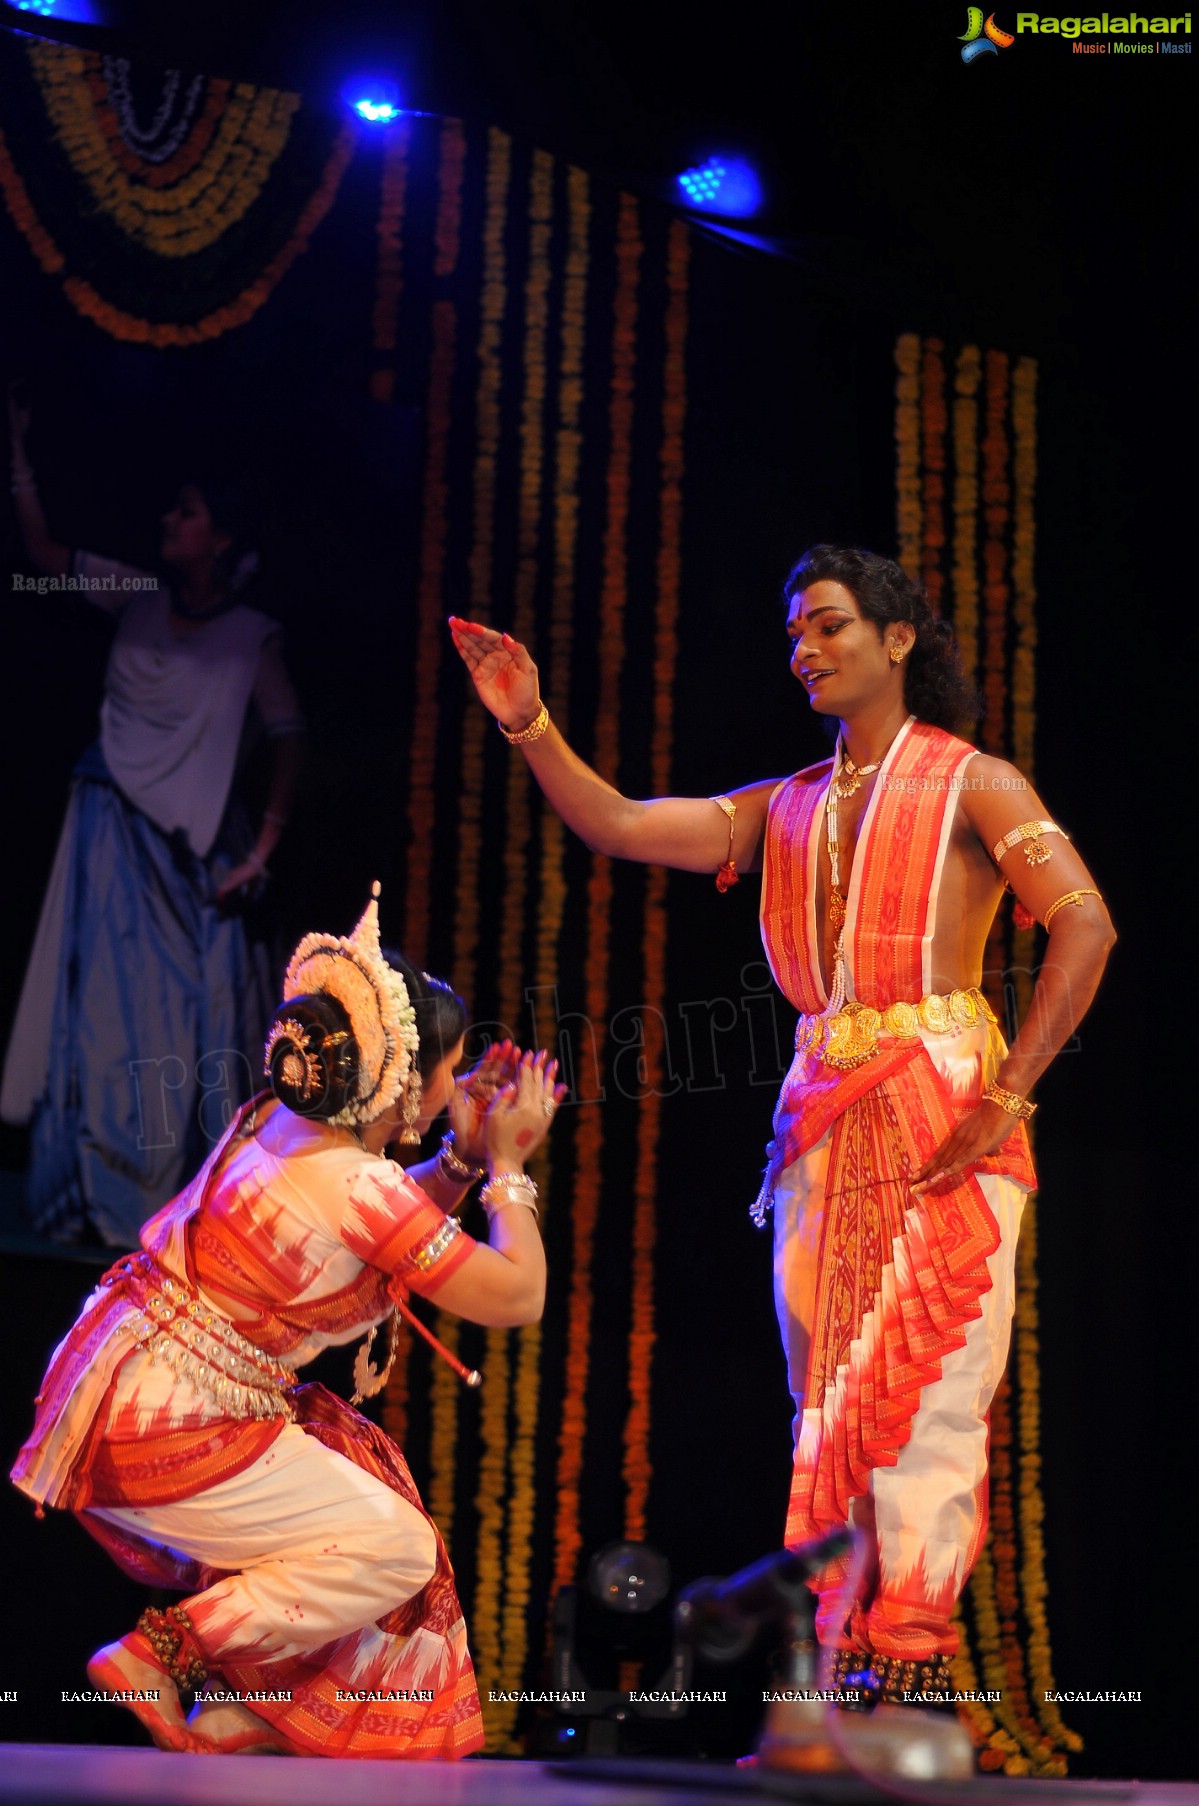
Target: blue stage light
{"x":75,"y":12}
{"x":727,"y":186}
{"x":376,"y":100}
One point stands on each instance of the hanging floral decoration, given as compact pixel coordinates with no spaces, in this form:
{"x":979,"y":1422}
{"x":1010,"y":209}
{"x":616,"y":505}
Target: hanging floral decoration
{"x":988,"y":591}
{"x":964,"y":578}
{"x":907,"y":451}
{"x":638,"y":1465}
{"x":535,"y":451}
{"x":934,"y":419}
{"x":511,"y":255}
{"x":428,"y":653}
{"x":167,"y":230}
{"x":389,"y":270}
{"x":553,"y":888}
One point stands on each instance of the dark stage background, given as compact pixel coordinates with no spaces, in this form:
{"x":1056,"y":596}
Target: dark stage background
{"x":1033,"y":203}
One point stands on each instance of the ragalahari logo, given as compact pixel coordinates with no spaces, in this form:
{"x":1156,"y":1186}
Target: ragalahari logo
{"x":983,"y":38}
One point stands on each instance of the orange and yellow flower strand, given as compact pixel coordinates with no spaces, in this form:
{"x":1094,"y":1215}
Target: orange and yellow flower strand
{"x":430,"y":636}
{"x":638,"y":1468}
{"x":493,"y":1415}
{"x":389,"y":272}
{"x":907,"y":452}
{"x":585,"y":1201}
{"x":934,"y":419}
{"x":965,"y":592}
{"x":515,"y":1503}
{"x":993,"y":508}
{"x":191,"y":214}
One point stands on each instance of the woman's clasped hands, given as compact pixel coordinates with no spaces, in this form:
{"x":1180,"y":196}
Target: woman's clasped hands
{"x":502,"y":1109}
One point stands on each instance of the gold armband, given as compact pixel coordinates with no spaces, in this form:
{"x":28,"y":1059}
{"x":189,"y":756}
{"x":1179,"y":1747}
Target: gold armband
{"x":525,"y":736}
{"x":726,"y":874}
{"x":1032,"y":834}
{"x":1073,"y":897}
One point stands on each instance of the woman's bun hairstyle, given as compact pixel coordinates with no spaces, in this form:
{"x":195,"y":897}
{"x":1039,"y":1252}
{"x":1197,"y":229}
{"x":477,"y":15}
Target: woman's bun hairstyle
{"x":311,"y":1056}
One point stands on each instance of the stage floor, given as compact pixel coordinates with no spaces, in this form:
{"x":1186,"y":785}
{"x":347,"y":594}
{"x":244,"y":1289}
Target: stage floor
{"x":71,"y":1775}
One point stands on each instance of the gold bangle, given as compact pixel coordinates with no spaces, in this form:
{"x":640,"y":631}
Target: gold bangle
{"x":1073,"y":897}
{"x":525,"y":736}
{"x":1011,"y":1101}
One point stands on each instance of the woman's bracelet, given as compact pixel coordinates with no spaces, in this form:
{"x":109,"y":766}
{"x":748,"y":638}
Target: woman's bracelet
{"x":509,"y":1188}
{"x":525,"y":736}
{"x":457,"y":1171}
{"x":1011,"y":1101}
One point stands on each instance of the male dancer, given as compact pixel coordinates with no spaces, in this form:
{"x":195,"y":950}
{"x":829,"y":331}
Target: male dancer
{"x":900,"y":1159}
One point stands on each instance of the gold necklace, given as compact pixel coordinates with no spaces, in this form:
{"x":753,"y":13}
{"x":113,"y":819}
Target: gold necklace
{"x":849,"y":778}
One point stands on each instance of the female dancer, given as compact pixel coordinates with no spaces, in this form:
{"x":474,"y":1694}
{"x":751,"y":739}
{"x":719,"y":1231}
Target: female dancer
{"x":143,"y":990}
{"x":321,"y":1606}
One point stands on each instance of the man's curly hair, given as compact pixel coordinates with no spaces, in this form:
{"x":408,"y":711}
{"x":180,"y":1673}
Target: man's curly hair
{"x":936,"y":688}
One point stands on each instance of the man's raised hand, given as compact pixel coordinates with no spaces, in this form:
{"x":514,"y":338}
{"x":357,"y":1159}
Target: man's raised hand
{"x":501,"y":670}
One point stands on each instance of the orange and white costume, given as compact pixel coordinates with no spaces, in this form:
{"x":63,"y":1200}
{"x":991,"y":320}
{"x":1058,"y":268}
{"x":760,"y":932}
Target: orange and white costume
{"x":175,"y":1430}
{"x":895,"y":1310}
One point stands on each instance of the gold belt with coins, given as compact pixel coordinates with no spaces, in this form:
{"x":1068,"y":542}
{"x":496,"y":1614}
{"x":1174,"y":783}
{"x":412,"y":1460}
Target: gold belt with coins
{"x":851,"y":1037}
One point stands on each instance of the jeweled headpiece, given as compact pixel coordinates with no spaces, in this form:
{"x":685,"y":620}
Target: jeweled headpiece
{"x":352,"y":969}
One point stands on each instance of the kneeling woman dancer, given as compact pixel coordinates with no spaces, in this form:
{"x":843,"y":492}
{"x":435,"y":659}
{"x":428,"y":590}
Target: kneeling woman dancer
{"x":171,"y":1422}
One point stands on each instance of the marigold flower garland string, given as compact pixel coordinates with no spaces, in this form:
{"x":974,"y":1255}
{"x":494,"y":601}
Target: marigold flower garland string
{"x":934,"y":419}
{"x":965,"y":506}
{"x":236,"y":146}
{"x":196,"y":209}
{"x":996,"y":597}
{"x":907,"y":451}
{"x":1033,"y":1587}
{"x":385,"y":315}
{"x":430,"y":623}
{"x":991,"y":1586}
{"x":638,"y":1467}
{"x":507,"y":1578}
{"x":611,"y":649}
{"x":564,"y":576}
{"x":493,"y":1416}
{"x":1022,"y":1735}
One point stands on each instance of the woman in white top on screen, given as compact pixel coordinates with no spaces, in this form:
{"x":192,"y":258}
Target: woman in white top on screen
{"x":145,"y":996}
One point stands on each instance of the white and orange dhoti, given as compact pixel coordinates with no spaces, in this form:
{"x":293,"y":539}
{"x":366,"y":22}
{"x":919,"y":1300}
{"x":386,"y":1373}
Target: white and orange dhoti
{"x":895,"y":1309}
{"x":924,"y":1517}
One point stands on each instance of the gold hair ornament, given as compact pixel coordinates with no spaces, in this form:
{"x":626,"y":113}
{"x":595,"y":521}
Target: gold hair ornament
{"x":299,"y":1066}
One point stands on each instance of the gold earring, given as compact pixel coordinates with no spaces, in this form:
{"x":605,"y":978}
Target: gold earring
{"x":897,"y":656}
{"x":410,"y":1135}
